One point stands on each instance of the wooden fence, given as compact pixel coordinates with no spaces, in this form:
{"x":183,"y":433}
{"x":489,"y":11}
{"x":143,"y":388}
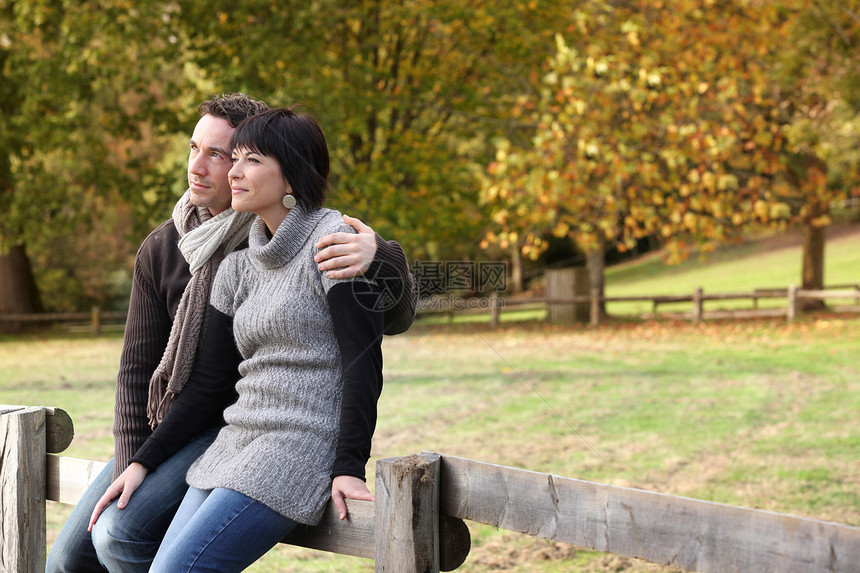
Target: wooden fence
{"x":416,"y":524}
{"x":95,"y":319}
{"x":589,"y":305}
{"x":581,"y":307}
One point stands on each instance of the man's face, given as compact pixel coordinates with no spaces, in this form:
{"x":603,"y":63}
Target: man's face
{"x":208,"y":164}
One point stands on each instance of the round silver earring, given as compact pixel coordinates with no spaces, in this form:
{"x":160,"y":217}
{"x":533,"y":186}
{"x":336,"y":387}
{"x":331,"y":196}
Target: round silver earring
{"x":289,"y":201}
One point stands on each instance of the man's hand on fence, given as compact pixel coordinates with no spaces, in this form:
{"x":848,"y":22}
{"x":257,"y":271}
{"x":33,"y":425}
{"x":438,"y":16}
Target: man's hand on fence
{"x":123,"y":486}
{"x":348,"y":487}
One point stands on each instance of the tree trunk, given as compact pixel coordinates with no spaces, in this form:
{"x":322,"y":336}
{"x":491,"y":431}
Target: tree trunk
{"x":808,"y":175}
{"x":516,"y":270}
{"x":814,"y":239}
{"x":18,"y":291}
{"x":595,"y":262}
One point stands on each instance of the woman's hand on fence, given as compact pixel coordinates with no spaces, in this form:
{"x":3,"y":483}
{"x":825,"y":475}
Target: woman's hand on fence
{"x":348,"y":487}
{"x":123,"y":486}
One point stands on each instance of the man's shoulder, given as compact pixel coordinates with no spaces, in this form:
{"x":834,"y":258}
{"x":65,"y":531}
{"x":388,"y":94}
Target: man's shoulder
{"x":162,"y":235}
{"x":161,"y":248}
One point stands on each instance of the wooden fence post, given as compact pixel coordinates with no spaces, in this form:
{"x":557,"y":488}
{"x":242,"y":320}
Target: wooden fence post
{"x":568,"y":283}
{"x":407,"y":514}
{"x":22,"y":475}
{"x":791,"y":312}
{"x":698,"y":305}
{"x":494,"y":309}
{"x":96,"y":320}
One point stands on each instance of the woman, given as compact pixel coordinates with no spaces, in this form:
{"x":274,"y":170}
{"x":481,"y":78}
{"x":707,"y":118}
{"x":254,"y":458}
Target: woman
{"x":309,"y":348}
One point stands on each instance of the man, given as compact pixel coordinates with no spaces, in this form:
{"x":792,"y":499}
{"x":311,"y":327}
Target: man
{"x":173,"y":273}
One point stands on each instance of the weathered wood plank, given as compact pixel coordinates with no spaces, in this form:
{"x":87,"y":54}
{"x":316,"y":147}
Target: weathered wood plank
{"x":59,"y":429}
{"x":825,"y":294}
{"x":356,"y":536}
{"x":407,"y":514}
{"x":691,"y":534}
{"x":745,"y":313}
{"x":571,"y":282}
{"x":68,"y":478}
{"x":22,"y":489}
{"x":353,"y":536}
{"x":455,"y":542}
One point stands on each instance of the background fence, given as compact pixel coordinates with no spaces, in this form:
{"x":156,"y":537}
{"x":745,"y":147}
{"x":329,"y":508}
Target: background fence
{"x":567,"y":302}
{"x":572,"y":308}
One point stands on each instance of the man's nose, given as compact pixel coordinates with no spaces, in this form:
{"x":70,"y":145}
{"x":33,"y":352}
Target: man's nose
{"x":198,"y":165}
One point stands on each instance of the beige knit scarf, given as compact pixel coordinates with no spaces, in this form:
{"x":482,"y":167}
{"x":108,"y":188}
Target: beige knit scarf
{"x":201,"y":239}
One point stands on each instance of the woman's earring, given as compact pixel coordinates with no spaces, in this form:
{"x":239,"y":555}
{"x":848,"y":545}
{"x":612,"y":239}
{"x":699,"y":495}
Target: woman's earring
{"x":289,"y":201}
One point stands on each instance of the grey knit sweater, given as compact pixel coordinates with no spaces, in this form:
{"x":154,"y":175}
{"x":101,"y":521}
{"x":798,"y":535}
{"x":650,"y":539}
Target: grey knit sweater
{"x":160,"y":276}
{"x":279,"y":443}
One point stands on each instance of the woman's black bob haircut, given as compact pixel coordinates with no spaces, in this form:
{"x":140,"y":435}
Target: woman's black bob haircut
{"x":296,"y":141}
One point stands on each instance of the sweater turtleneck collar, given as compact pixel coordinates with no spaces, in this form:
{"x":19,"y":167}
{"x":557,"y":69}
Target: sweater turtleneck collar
{"x":291,"y":234}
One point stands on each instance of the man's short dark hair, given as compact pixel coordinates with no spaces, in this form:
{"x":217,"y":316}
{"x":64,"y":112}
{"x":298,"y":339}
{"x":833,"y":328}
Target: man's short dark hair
{"x":232,"y":107}
{"x":296,"y":141}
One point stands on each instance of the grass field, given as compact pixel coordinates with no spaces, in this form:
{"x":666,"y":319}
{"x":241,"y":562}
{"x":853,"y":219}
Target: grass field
{"x":754,"y":413}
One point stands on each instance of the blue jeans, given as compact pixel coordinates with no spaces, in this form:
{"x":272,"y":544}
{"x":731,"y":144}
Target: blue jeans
{"x":219,"y":530}
{"x":127,"y":539}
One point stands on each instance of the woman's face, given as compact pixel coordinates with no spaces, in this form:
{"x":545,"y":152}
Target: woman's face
{"x":257,"y":184}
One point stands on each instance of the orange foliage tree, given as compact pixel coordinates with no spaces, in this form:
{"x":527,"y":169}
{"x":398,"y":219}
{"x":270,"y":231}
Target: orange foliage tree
{"x":654,"y":119}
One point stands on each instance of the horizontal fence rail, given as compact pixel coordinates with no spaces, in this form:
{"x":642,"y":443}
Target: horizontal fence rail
{"x":690,"y":534}
{"x":95,"y":319}
{"x":417,"y":522}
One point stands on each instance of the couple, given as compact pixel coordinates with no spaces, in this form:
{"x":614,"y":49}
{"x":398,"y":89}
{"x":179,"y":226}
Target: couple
{"x":301,"y":406}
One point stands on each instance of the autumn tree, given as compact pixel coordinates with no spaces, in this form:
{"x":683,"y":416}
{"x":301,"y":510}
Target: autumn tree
{"x":653,"y":119}
{"x":86,"y":91}
{"x":409,"y":94}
